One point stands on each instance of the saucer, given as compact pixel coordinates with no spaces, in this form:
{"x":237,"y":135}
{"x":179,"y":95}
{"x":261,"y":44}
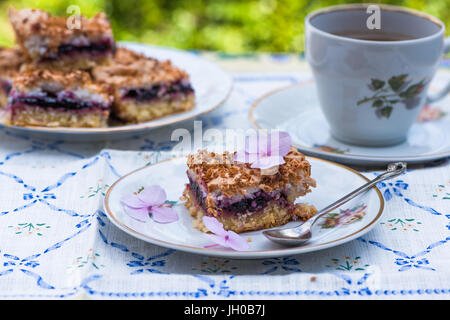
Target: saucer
{"x":351,"y":221}
{"x":296,"y":109}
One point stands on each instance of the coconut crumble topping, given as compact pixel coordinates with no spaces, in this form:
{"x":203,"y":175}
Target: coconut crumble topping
{"x":34,"y":22}
{"x":218,"y":172}
{"x":132,"y":69}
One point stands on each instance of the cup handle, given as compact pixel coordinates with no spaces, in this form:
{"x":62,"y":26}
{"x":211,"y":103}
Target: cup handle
{"x":444,"y":91}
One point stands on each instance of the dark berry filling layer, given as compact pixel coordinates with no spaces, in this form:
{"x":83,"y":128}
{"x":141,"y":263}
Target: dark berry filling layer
{"x":199,"y":197}
{"x":258,"y":201}
{"x":94,"y":49}
{"x":5,"y":86}
{"x":253,"y":203}
{"x":67,"y":101}
{"x":97,"y":48}
{"x":158,"y":91}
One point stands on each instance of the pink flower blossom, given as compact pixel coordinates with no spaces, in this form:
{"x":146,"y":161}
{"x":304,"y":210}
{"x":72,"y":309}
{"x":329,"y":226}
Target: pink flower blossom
{"x":151,"y":200}
{"x":222,"y":237}
{"x":265,"y":151}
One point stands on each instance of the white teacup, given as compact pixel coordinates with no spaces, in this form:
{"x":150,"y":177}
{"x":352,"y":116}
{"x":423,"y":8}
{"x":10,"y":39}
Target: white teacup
{"x":372,"y":83}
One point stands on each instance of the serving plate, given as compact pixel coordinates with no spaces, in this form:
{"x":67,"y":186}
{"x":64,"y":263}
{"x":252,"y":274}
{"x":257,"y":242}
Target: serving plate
{"x":333,"y":181}
{"x":211,"y":83}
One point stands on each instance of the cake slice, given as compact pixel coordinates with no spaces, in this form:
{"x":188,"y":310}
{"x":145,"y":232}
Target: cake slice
{"x":50,"y":42}
{"x":53,"y":98}
{"x":10,"y":61}
{"x":243,"y":198}
{"x":145,"y":88}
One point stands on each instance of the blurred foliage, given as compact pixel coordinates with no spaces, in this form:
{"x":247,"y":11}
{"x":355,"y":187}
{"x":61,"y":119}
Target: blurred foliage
{"x":231,"y":26}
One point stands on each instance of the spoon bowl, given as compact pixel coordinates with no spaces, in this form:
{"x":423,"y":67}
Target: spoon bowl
{"x":289,"y":237}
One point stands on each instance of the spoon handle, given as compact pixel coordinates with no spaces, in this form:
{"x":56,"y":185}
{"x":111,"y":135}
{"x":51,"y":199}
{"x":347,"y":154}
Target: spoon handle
{"x":393,"y":170}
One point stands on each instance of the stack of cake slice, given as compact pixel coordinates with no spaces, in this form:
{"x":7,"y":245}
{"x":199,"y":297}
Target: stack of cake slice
{"x":75,"y":77}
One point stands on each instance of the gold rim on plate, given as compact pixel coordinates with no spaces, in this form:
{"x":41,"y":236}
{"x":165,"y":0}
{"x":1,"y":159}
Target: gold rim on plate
{"x":236,"y":253}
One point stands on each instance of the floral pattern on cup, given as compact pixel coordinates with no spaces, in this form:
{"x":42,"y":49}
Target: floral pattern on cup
{"x":429,"y":113}
{"x":398,"y":89}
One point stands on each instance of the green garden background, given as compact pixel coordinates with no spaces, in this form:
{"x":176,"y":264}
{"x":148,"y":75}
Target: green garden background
{"x":229,"y":26}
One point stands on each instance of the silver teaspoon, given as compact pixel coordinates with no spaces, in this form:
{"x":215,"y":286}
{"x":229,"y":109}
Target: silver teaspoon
{"x":301,"y":234}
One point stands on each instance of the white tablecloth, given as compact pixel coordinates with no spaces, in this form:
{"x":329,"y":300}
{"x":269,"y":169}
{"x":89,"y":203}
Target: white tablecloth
{"x":56,"y":241}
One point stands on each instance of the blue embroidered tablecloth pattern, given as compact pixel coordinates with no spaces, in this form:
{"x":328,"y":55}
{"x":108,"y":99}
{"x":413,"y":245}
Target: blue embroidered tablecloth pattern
{"x":56,"y":241}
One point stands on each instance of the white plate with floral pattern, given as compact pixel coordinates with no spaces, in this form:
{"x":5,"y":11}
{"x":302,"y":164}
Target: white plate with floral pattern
{"x":352,"y":220}
{"x":212,"y":86}
{"x":296,"y":109}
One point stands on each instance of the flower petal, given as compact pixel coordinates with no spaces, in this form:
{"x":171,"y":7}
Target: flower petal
{"x":213,"y":225}
{"x":241,"y":156}
{"x":236,"y":242}
{"x":140,"y":214}
{"x":267,"y":162}
{"x":132,"y":201}
{"x":224,"y":238}
{"x":218,"y":239}
{"x":164,"y":214}
{"x":152,"y":195}
{"x":280,"y":143}
{"x":252,"y":143}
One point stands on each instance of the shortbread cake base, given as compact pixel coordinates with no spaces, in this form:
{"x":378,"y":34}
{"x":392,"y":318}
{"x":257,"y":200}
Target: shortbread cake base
{"x":36,"y":116}
{"x":3,"y":99}
{"x":273,"y":215}
{"x":81,"y":62}
{"x":135,"y":112}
